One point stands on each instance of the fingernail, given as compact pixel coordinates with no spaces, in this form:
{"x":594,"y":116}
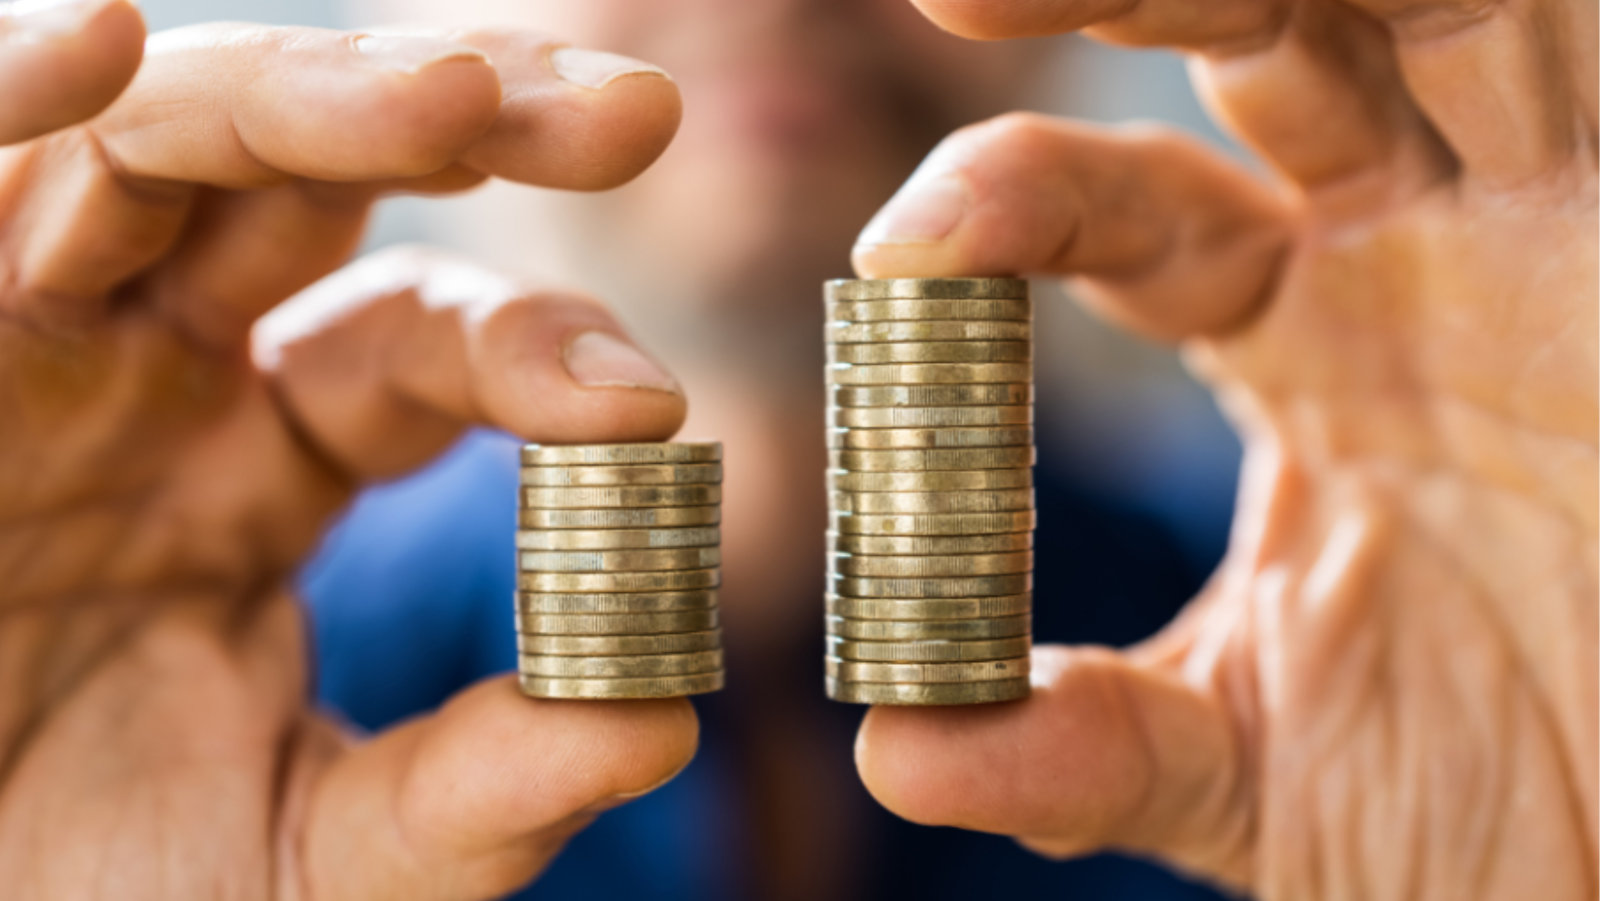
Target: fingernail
{"x":412,"y":54}
{"x":28,"y":21}
{"x":601,"y":360}
{"x":922,"y":213}
{"x":596,"y":68}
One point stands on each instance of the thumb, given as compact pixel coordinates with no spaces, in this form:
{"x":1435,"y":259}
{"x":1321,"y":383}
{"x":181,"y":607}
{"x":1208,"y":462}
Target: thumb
{"x":61,"y":63}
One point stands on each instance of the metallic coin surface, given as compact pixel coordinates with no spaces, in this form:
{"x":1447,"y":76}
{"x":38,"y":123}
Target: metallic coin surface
{"x":1005,"y":395}
{"x":619,"y":645}
{"x":929,"y":373}
{"x":938,"y":480}
{"x":633,"y":666}
{"x":626,"y":496}
{"x":898,"y":439}
{"x":975,"y":671}
{"x":620,"y":518}
{"x":929,"y":630}
{"x":965,"y":587}
{"x":616,"y":539}
{"x":888,"y":502}
{"x":932,"y":459}
{"x":928,"y":417}
{"x":910,"y":310}
{"x":928,"y":651}
{"x":936,"y":609}
{"x":676,"y":580}
{"x":932,"y":524}
{"x":626,"y":602}
{"x":621,"y":454}
{"x":603,"y":476}
{"x":933,"y":352}
{"x":845,"y":332}
{"x":934,"y":695}
{"x":913,"y":545}
{"x":931,"y":567}
{"x":922,"y":288}
{"x":622,"y":689}
{"x":619,"y":561}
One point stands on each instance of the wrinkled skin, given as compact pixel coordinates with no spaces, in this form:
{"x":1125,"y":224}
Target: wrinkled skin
{"x":160,"y":478}
{"x":1388,"y":690}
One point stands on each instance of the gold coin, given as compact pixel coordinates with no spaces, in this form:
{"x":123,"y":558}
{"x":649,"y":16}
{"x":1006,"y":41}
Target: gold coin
{"x":935,"y":695}
{"x":620,"y":518}
{"x":625,"y":602}
{"x":929,"y":373}
{"x":936,"y":609}
{"x":619,"y":645}
{"x":616,"y":539}
{"x":929,"y":630}
{"x":898,"y":439}
{"x":923,"y":288}
{"x":938,"y":480}
{"x":1001,"y":395}
{"x":911,"y":545}
{"x":932,"y":459}
{"x":629,"y":496}
{"x":632,"y":666}
{"x":931,"y":567}
{"x":676,"y":580}
{"x":966,"y":587}
{"x":845,"y":332}
{"x":928,"y":651}
{"x":605,"y":476}
{"x":928,"y":417}
{"x":619,"y":561}
{"x":932,"y":523}
{"x":911,"y":310}
{"x":621,"y":689}
{"x":621,"y":454}
{"x":975,"y":671}
{"x":890,"y":502}
{"x":932,"y":352}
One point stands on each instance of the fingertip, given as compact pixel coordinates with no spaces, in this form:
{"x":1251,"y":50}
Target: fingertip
{"x":628,"y":131}
{"x":75,"y":58}
{"x":985,"y":21}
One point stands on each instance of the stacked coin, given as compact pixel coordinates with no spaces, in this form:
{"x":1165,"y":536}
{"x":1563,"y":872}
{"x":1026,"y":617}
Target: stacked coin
{"x":930,"y":541}
{"x":618,"y":565}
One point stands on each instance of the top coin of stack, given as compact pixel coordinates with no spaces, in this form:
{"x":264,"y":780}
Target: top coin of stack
{"x":930,"y":540}
{"x":618,"y":564}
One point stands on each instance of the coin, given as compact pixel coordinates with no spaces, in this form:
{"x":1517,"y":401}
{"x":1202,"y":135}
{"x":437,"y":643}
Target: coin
{"x":632,"y":666}
{"x":961,"y":587}
{"x":938,"y":480}
{"x":677,"y":580}
{"x":600,"y":476}
{"x":618,"y":645}
{"x":929,"y":630}
{"x":616,"y":539}
{"x":973,"y":671}
{"x":888,"y":502}
{"x":621,"y":454}
{"x":897,"y":439}
{"x":619,"y":561}
{"x":930,"y":609}
{"x":928,"y":417}
{"x":929,"y":373}
{"x":620,"y":518}
{"x":628,"y":496}
{"x":846,"y":332}
{"x":932,"y":524}
{"x":912,"y":694}
{"x":620,"y":689}
{"x":932,"y":459}
{"x":932,"y":395}
{"x":923,"y":288}
{"x":929,"y":567}
{"x":928,"y":651}
{"x":933,"y":352}
{"x":905,"y":545}
{"x":625,"y":602}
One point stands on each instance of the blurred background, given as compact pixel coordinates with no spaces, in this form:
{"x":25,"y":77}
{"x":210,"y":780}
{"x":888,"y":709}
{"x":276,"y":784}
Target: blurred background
{"x":801,"y":118}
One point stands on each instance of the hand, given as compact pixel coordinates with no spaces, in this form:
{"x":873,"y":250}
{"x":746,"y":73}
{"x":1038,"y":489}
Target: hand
{"x":160,"y":480}
{"x":1388,"y":689}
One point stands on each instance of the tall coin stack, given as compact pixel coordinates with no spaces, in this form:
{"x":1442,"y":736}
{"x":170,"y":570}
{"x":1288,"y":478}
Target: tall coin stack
{"x":618,"y":565}
{"x":931,"y":517}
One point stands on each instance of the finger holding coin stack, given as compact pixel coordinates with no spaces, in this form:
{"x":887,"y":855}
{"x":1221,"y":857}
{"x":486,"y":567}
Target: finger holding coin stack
{"x":930,"y":480}
{"x":619,"y":560}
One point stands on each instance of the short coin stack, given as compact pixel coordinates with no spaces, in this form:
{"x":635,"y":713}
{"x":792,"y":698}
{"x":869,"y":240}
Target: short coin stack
{"x":931,"y":517}
{"x":618,"y":564}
